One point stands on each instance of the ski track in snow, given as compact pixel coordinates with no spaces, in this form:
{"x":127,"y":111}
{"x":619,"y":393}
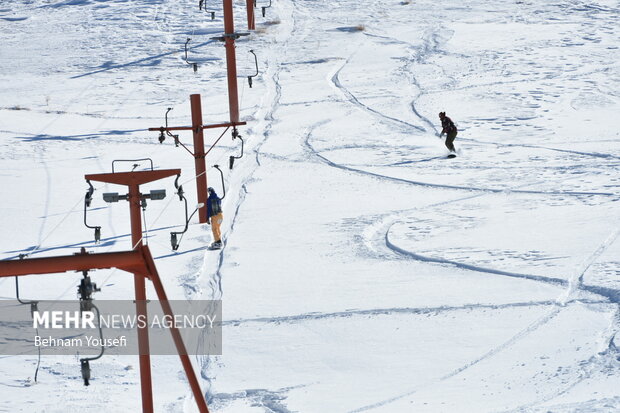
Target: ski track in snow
{"x":377,"y":237}
{"x":430,"y":46}
{"x":291,"y":319}
{"x":351,"y":98}
{"x":269,"y":400}
{"x":555,"y":308}
{"x":329,"y":162}
{"x":572,"y":284}
{"x":334,"y":79}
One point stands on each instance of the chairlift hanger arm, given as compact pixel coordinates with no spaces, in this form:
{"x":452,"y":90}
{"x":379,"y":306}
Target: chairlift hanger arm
{"x":166,"y":117}
{"x":255,"y":62}
{"x":186,"y":42}
{"x":231,"y":159}
{"x":182,"y":197}
{"x":223,"y":186}
{"x":132,"y":160}
{"x":264,"y":8}
{"x":87,"y":200}
{"x":100,"y":336}
{"x":176,"y":242}
{"x":33,"y":303}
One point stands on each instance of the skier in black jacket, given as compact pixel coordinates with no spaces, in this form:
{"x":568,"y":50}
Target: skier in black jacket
{"x":449,"y":129}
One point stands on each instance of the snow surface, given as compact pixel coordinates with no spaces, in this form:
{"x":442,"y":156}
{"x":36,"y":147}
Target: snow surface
{"x":361,"y":270}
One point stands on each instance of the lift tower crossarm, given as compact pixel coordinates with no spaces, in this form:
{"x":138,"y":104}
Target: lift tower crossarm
{"x":133,"y":178}
{"x":127,"y":261}
{"x":138,"y":261}
{"x":211,"y":126}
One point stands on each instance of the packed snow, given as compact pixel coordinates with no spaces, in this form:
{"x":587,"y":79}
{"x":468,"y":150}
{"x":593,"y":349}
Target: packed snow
{"x":362,"y":271}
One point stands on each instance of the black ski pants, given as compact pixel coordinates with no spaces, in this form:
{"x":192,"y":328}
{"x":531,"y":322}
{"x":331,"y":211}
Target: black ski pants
{"x":449,"y":141}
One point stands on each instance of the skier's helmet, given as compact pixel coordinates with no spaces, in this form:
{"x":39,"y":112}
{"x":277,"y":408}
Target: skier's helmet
{"x":210,"y":189}
{"x":442,"y":115}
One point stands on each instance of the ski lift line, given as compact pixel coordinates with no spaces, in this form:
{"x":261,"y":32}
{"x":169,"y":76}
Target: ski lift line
{"x":36,"y":248}
{"x":200,"y":174}
{"x":176,"y":139}
{"x":197,"y":129}
{"x":146,"y":230}
{"x":174,"y":241}
{"x":193,"y":178}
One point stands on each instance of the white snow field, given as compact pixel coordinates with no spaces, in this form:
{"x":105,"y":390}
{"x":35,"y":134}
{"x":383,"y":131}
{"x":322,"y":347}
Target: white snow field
{"x":362,"y":271}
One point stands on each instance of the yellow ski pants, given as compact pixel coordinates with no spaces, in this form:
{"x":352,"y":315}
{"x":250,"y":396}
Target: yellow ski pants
{"x":216,"y":221}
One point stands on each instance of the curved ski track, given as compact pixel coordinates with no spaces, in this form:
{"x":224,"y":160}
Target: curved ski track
{"x":554,"y":311}
{"x":215,"y":281}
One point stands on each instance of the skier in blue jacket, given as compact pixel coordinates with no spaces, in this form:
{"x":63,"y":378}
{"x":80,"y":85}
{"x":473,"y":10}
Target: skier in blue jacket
{"x":215,"y":217}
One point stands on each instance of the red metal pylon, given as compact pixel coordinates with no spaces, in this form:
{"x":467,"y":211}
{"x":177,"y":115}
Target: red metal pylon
{"x":231,"y":61}
{"x":133,"y":180}
{"x":139,"y":261}
{"x":199,"y":152}
{"x":250,"y":9}
{"x":197,"y":127}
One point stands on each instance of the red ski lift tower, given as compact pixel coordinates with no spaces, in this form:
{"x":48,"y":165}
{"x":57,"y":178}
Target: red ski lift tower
{"x":133,"y":180}
{"x":231,"y":60}
{"x":199,"y":152}
{"x":197,"y":127}
{"x":138,"y":261}
{"x":250,"y":8}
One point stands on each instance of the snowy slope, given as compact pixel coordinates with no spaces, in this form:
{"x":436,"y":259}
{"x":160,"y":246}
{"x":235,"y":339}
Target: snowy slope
{"x":362,"y":271}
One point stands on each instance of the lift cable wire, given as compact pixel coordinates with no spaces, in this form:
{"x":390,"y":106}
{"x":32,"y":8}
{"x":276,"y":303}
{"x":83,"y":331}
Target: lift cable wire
{"x":193,"y":178}
{"x":146,"y":229}
{"x":38,"y":247}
